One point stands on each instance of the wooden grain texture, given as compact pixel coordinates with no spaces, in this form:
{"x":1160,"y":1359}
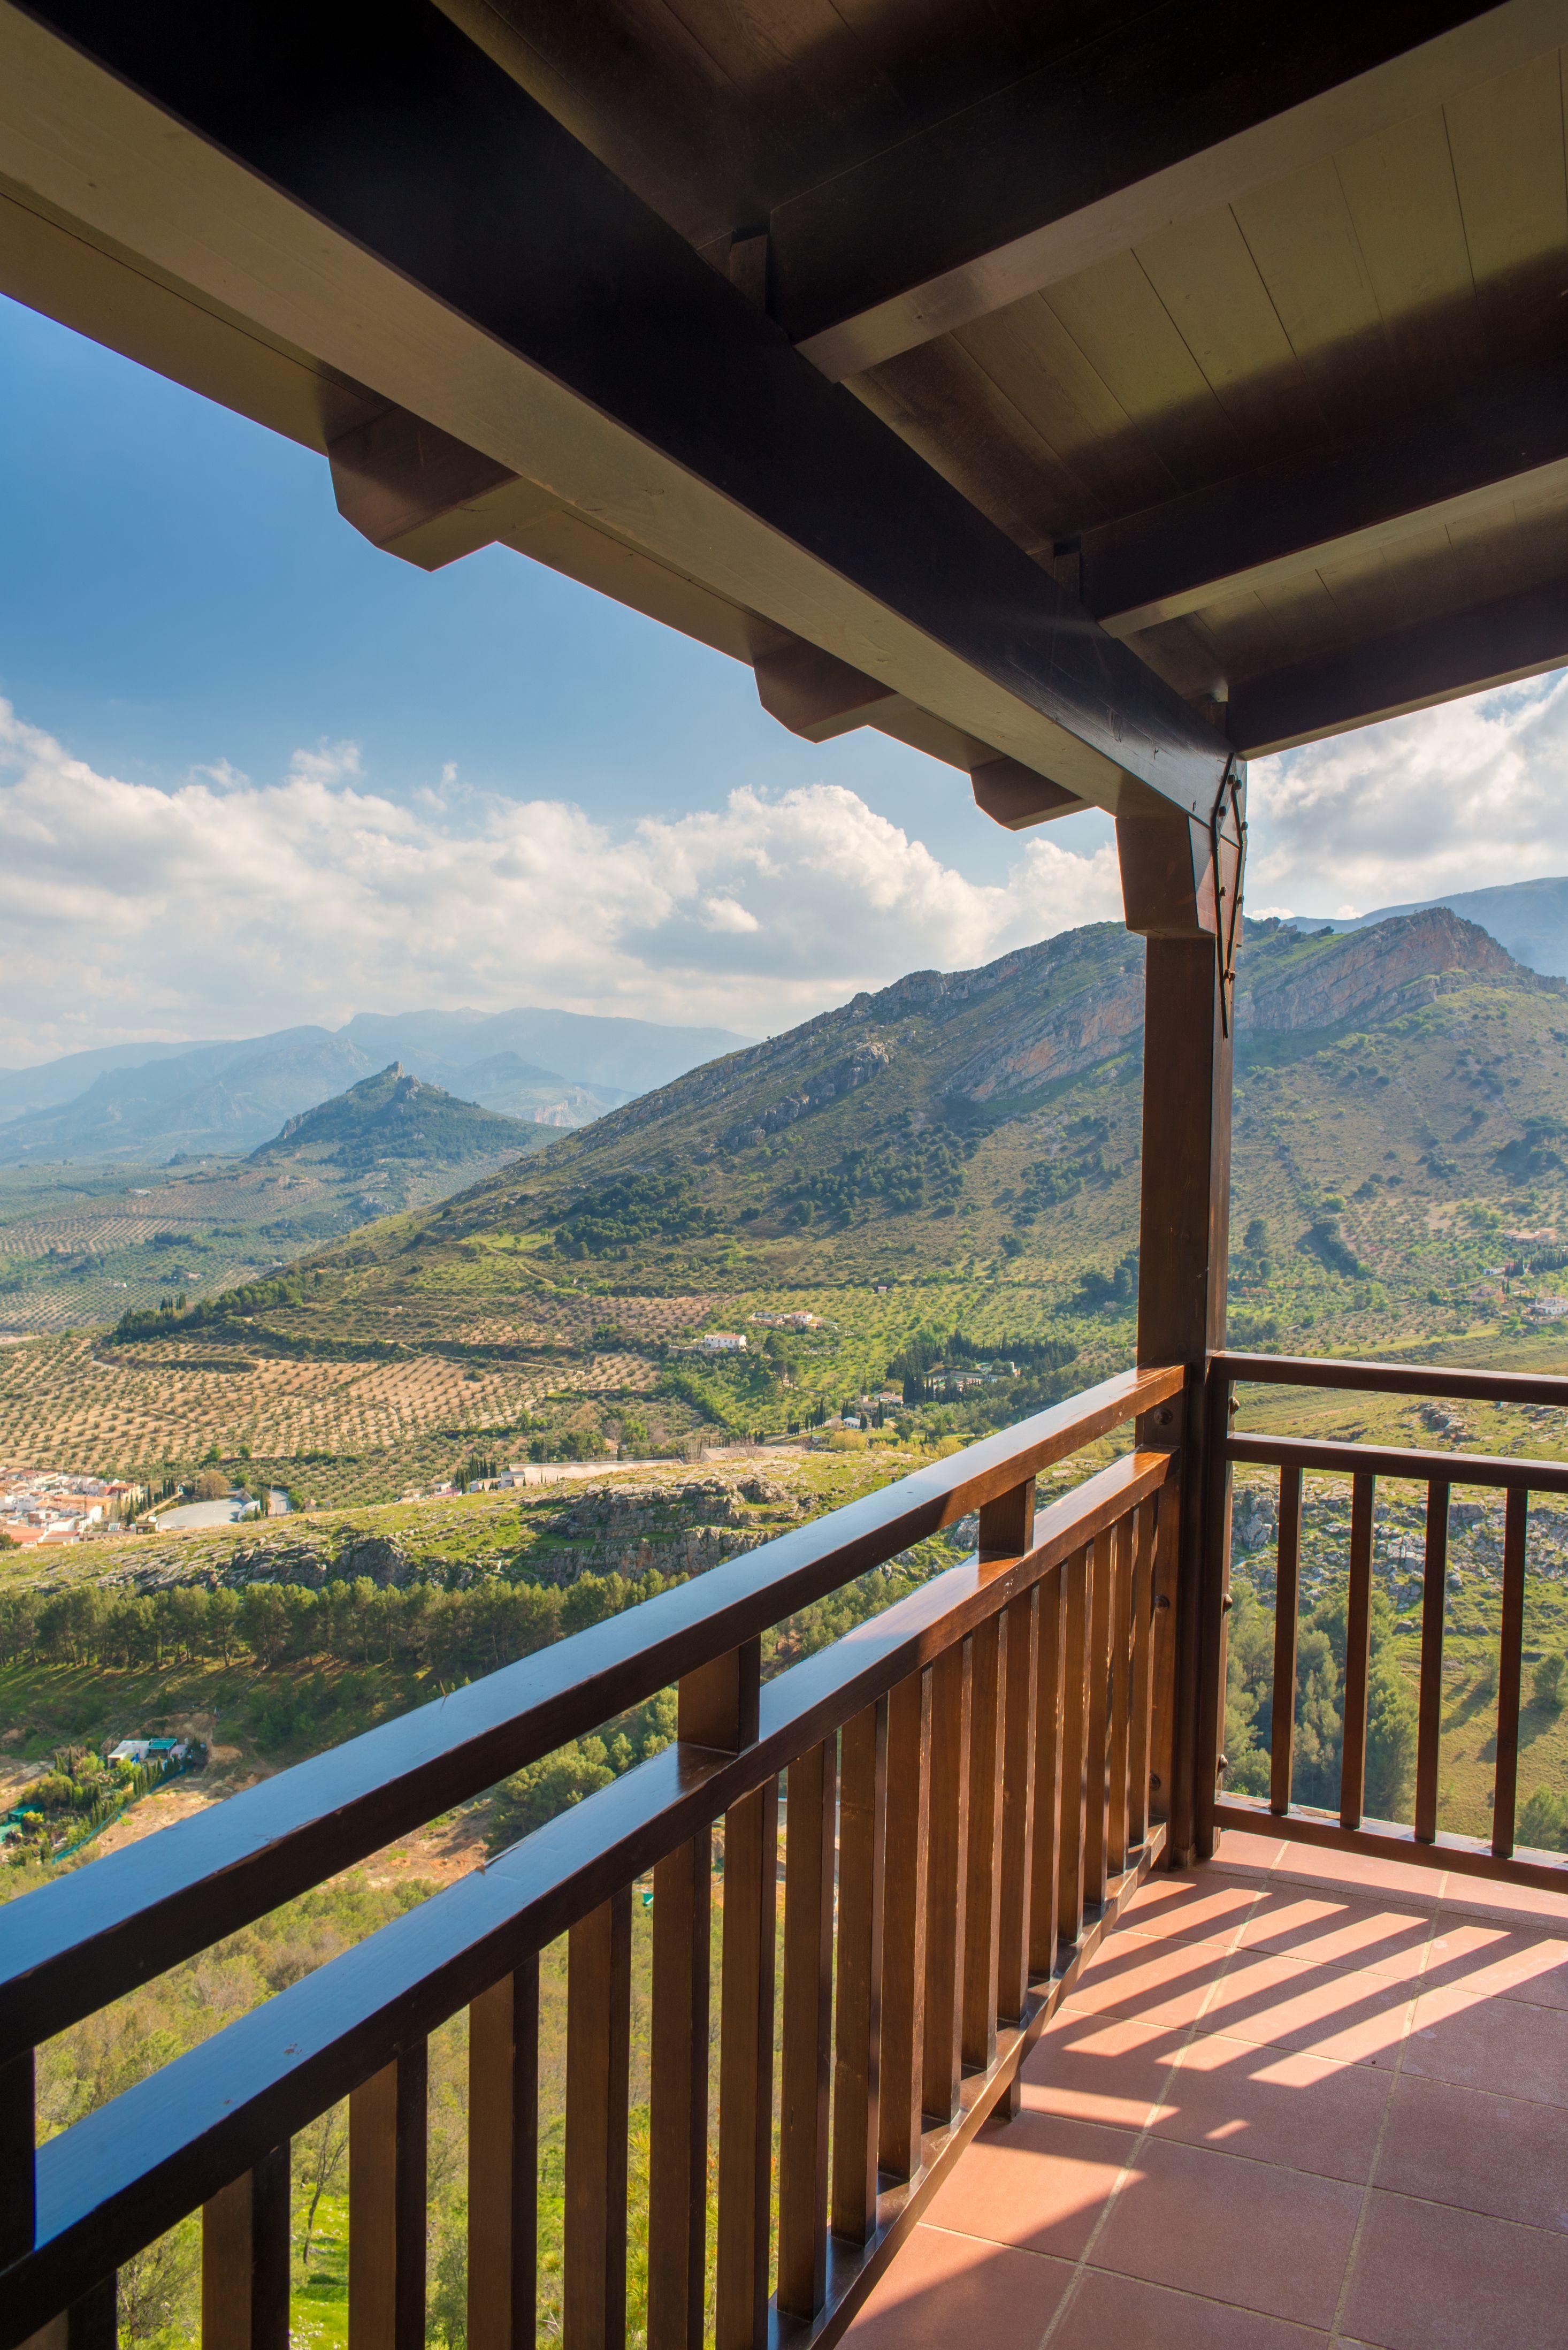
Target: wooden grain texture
{"x":1429,"y":1711}
{"x":1358,"y":1650}
{"x":904,"y":1925}
{"x":599,"y":2016}
{"x":716,"y":1702}
{"x":677,"y":2097}
{"x":946,"y":1882}
{"x":805,"y":2058}
{"x":387,"y":2128}
{"x":1419,"y":1466}
{"x":983,"y":1894}
{"x":1079,"y":1578}
{"x":858,"y":2019}
{"x":1007,"y":1523}
{"x":503,"y":2161}
{"x":1050,"y":1764}
{"x":1119,"y":1746}
{"x":1096,"y":1743}
{"x":1141,"y":1679}
{"x":1019,"y":1774}
{"x":1162,"y":1694}
{"x":1505,"y":1784}
{"x":1287,"y":1618}
{"x":746,"y":2070}
{"x":245,"y":2260}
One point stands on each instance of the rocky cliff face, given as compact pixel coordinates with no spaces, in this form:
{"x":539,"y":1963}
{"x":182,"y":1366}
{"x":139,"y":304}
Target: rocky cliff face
{"x":1371,"y":973}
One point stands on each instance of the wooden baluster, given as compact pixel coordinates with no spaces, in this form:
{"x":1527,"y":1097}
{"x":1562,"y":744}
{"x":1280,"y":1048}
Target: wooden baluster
{"x":503,"y":2161}
{"x":1096,"y":1743}
{"x":91,"y":2322}
{"x":716,"y":1703}
{"x":1287,"y":1614}
{"x":244,"y":2259}
{"x":1007,"y":1524}
{"x":599,"y":2020}
{"x":1358,"y":1630}
{"x":945,"y":1882}
{"x":1020,"y":1715}
{"x":805,"y":2076}
{"x":746,"y":2069}
{"x":1120,"y":1698}
{"x":904,"y":1926}
{"x":982,"y":1892}
{"x":1077,"y":1575}
{"x":387,"y":2181}
{"x":1429,"y":1718}
{"x":677,"y":2098}
{"x":1505,"y":1787}
{"x":856,"y":2077}
{"x":18,"y":2194}
{"x":1045,"y":1858}
{"x":1162,"y":1788}
{"x":1140,"y":1725}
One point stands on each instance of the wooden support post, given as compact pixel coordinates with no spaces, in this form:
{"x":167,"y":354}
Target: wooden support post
{"x":503,"y":2161}
{"x":1188,"y":906}
{"x":244,"y":2259}
{"x":387,"y":2130}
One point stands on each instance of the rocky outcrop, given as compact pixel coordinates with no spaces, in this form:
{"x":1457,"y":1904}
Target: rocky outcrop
{"x":1394,"y":966}
{"x":868,"y":1060}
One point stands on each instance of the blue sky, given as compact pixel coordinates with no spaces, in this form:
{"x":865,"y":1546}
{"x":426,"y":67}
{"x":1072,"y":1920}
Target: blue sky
{"x":253,"y":773}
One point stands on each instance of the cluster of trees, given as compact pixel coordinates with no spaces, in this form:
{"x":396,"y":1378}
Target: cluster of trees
{"x":1391,"y":1717}
{"x":418,"y":1625}
{"x":627,"y":1214}
{"x":1036,"y":1358}
{"x":1048,"y":1182}
{"x":912,"y":1169}
{"x":173,"y":1314}
{"x":1101,"y":1293}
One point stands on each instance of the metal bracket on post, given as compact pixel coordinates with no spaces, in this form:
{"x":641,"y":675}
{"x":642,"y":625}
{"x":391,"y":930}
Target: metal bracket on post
{"x":1229,"y":801}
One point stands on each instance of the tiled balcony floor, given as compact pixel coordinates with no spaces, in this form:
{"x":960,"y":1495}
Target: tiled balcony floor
{"x":1297,"y":2099}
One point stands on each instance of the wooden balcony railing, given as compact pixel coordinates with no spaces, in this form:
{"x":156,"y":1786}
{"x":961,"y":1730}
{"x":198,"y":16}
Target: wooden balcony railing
{"x":968,"y":1780}
{"x":1419,"y":1840}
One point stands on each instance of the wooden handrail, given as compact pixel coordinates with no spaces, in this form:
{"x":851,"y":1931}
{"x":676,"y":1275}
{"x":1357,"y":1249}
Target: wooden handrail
{"x":72,"y":1946}
{"x":117,"y":2179}
{"x":1499,"y":1470}
{"x":1392,"y":1378}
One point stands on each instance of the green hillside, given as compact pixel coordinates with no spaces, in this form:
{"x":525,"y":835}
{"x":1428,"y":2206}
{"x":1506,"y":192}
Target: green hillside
{"x":394,"y":1116}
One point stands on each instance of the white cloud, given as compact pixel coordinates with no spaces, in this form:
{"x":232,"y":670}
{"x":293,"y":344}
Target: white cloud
{"x":227,"y":907}
{"x":1453,"y":799}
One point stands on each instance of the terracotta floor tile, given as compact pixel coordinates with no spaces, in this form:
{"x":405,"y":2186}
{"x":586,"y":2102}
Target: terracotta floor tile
{"x":1192,"y":1907}
{"x":1339,"y":1930}
{"x":1497,"y":1957}
{"x":943,"y":2290}
{"x":1503,"y":2045}
{"x":1275,"y":2104}
{"x":1480,"y":1898}
{"x":1241,"y":1848}
{"x":1310,"y":1865}
{"x":1130,"y":2315}
{"x":1339,"y":2013}
{"x":1269,"y":2240}
{"x":1500,"y":2155}
{"x":1099,"y":2068}
{"x":1039,"y":2182}
{"x":1152,"y":1982}
{"x":1430,"y":2278}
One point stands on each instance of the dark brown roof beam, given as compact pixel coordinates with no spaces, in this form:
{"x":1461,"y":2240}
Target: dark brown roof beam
{"x":1452,"y":463}
{"x":1155,"y":122}
{"x":413,"y":218}
{"x":1411,"y":669}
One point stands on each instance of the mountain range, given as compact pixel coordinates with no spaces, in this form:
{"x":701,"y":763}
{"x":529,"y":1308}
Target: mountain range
{"x":396,"y":1117}
{"x":145,"y":1103}
{"x":1528,"y":917}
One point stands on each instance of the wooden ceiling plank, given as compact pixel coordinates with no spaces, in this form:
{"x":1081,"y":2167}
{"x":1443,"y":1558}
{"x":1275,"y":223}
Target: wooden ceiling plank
{"x":413,"y":219}
{"x":1506,"y":140}
{"x":1300,"y":235}
{"x":1400,"y":191}
{"x":1157,"y":121}
{"x":1210,"y":287}
{"x":1129,"y":339}
{"x":1452,"y":459}
{"x":1028,"y":354}
{"x":1409,"y":669}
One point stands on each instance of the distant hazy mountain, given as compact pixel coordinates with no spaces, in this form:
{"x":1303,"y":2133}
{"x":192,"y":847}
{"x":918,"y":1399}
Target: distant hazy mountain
{"x":156,"y":1101}
{"x":395,"y":1117}
{"x":1528,"y":917}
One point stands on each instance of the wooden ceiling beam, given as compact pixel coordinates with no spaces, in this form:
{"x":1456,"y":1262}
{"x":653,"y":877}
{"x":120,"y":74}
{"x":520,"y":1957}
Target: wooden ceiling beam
{"x":385,"y":195}
{"x":1411,"y":669}
{"x":1454,"y":462}
{"x":1192,"y":106}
